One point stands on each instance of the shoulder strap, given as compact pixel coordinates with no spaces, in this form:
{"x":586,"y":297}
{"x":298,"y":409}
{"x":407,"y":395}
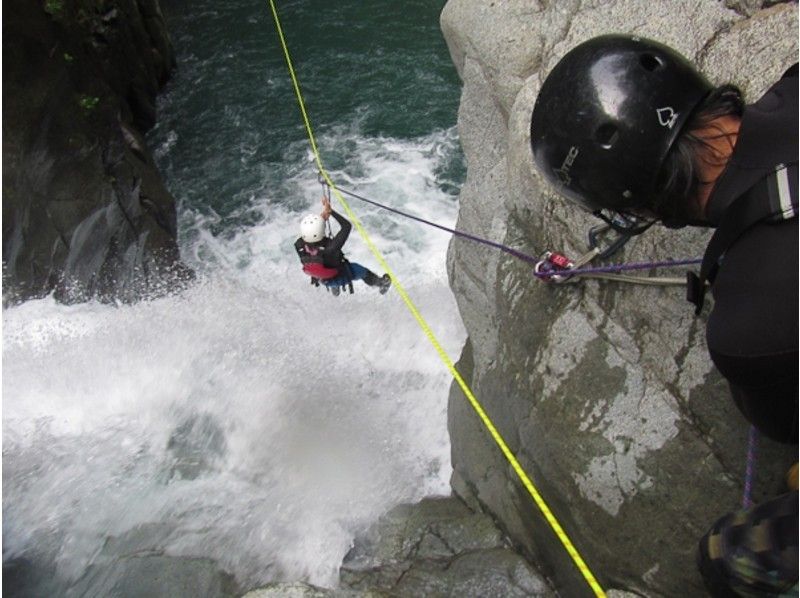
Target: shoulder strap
{"x":771,"y":199}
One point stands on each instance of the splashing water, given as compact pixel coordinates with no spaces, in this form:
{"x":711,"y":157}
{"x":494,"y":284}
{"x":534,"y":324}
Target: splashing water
{"x":311,"y":414}
{"x":252,"y":419}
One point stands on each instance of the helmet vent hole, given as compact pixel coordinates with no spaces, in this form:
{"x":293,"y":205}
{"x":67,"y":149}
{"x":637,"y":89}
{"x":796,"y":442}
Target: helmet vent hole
{"x":606,"y":135}
{"x":650,"y":62}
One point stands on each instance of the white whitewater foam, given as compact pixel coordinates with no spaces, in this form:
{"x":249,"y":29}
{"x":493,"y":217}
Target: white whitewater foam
{"x":333,"y":409}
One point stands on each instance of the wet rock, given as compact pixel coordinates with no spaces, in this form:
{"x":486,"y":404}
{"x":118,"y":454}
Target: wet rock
{"x":605,"y":392}
{"x":438,"y":547}
{"x":132,"y":565}
{"x":85,"y":213}
{"x":30,"y":577}
{"x":303,"y":590}
{"x":151,"y":576}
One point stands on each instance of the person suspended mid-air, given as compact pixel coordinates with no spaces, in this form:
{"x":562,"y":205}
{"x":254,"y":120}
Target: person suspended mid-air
{"x":322,"y":257}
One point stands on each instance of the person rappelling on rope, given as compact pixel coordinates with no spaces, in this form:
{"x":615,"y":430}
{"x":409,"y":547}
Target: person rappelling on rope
{"x":628,"y":129}
{"x":322,"y":256}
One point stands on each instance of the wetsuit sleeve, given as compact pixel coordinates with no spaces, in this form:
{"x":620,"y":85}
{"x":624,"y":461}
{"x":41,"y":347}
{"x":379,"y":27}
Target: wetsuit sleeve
{"x":298,"y":247}
{"x":338,"y":241}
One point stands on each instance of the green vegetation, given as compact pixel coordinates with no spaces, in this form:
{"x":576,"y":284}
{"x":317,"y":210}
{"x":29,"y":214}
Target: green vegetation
{"x":54,"y":7}
{"x":88,"y":103}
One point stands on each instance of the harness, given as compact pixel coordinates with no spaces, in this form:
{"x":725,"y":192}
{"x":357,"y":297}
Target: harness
{"x":771,"y":199}
{"x":314,"y":265}
{"x":334,"y":279}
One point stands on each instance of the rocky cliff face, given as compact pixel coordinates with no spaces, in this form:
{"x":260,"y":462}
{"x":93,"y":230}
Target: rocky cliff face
{"x":85,"y":213}
{"x":438,"y":547}
{"x":604,"y":391}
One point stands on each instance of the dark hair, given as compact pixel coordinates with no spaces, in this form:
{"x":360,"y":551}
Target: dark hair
{"x":678,"y":181}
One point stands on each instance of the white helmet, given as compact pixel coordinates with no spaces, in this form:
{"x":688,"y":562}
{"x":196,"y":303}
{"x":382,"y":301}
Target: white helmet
{"x":312,"y":228}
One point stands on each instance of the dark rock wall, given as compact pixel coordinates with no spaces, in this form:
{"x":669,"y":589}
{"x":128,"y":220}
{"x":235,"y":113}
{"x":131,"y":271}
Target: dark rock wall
{"x":85,"y":213}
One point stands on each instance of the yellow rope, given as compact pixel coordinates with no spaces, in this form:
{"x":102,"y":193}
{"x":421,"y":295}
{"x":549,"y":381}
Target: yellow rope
{"x":548,"y":514}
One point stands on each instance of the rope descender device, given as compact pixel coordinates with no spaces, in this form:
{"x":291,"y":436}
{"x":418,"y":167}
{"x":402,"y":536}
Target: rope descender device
{"x":553,"y":267}
{"x":326,"y":194}
{"x":326,"y":188}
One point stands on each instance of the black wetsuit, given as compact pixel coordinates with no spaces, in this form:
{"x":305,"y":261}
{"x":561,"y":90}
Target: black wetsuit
{"x":752,"y":331}
{"x":330,"y":249}
{"x":752,"y":336}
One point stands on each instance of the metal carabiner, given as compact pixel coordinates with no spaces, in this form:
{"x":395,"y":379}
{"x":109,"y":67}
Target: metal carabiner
{"x":595,"y":233}
{"x":625,"y":224}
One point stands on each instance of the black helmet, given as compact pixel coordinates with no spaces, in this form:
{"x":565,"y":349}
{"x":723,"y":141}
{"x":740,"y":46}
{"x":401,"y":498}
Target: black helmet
{"x":607,"y":115}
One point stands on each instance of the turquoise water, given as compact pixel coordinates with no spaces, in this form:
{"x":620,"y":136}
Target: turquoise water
{"x":230,"y":128}
{"x":302,"y":417}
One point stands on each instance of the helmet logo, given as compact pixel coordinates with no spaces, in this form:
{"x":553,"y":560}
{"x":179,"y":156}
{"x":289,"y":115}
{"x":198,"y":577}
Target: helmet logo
{"x":562,"y":172}
{"x":667,"y":117}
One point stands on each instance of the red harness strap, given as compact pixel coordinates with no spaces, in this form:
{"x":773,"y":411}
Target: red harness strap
{"x":314,"y":266}
{"x":320,"y":271}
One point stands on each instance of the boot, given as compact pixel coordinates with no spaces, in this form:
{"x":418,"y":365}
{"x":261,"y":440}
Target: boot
{"x":385,"y":283}
{"x":382,"y":282}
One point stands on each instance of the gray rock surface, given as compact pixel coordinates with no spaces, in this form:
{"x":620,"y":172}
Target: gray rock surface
{"x":152,"y":576}
{"x":85,"y":212}
{"x":605,"y":392}
{"x":297,"y":589}
{"x":438,"y":547}
{"x":133,"y":566}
